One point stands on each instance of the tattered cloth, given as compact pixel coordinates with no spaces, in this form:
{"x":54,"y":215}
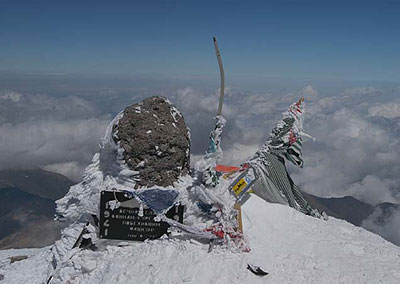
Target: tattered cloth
{"x":160,"y":200}
{"x":274,"y":183}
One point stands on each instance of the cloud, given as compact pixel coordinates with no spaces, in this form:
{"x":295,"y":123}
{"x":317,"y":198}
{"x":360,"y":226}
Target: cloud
{"x":310,"y":92}
{"x":42,"y":143}
{"x":239,"y":153}
{"x":389,"y":110}
{"x":190,"y":100}
{"x":385,"y":222}
{"x":372,"y":189}
{"x":352,"y":156}
{"x":49,"y":132}
{"x":199,"y":109}
{"x":73,"y":169}
{"x":360,"y":91}
{"x":11,"y":96}
{"x":28,"y":107}
{"x":233,"y":156}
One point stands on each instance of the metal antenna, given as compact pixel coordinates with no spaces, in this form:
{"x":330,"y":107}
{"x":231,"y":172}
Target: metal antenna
{"x":222,"y":75}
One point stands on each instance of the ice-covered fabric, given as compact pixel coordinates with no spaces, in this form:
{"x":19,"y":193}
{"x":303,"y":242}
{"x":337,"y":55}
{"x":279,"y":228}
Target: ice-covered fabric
{"x":274,"y":183}
{"x":157,"y":199}
{"x":285,"y":139}
{"x":207,"y":164}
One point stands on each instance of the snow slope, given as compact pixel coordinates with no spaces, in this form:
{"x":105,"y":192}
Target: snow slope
{"x":292,"y":247}
{"x":297,"y":248}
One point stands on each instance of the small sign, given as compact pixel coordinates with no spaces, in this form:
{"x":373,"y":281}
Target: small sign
{"x":127,"y":222}
{"x":239,"y":186}
{"x":243,"y":183}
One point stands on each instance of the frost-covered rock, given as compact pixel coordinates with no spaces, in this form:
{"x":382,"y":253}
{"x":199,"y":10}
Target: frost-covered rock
{"x":155,"y":140}
{"x":112,"y":169}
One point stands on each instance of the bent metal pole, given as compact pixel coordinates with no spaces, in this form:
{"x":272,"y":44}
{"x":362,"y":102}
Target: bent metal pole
{"x":221,"y":71}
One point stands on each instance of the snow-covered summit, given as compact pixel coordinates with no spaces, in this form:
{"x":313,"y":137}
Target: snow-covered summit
{"x":292,"y":247}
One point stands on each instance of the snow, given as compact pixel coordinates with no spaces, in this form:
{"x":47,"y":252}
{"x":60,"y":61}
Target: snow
{"x":174,"y":111}
{"x":34,"y":269}
{"x":127,"y":172}
{"x":292,"y":247}
{"x":297,"y":248}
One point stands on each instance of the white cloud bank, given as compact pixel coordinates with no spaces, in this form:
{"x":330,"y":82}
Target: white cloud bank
{"x":310,"y":92}
{"x":60,"y":134}
{"x":384,"y":223}
{"x":43,"y":143}
{"x":389,"y":110}
{"x":11,"y":96}
{"x":352,"y":155}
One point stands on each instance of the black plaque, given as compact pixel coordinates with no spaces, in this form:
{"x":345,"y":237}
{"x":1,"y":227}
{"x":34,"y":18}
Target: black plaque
{"x":124,"y":223}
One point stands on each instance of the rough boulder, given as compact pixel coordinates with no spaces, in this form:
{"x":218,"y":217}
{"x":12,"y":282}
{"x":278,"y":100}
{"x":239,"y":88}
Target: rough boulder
{"x":155,"y":140}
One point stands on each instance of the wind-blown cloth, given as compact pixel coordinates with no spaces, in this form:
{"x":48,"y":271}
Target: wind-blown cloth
{"x":285,"y":142}
{"x":207,"y":164}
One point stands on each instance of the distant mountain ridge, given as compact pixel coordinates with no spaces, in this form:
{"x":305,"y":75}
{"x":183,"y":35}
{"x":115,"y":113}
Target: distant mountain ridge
{"x":38,"y":182}
{"x":27,"y":207}
{"x":357,"y":212}
{"x":347,"y":208}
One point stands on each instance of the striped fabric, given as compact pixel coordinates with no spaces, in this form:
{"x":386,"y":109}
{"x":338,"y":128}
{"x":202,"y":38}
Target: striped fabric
{"x":272,"y":169}
{"x":294,"y":154}
{"x":274,"y":183}
{"x":285,"y":138}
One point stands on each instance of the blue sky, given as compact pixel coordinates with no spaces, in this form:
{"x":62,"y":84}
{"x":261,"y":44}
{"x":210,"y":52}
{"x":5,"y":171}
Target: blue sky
{"x":353,"y":40}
